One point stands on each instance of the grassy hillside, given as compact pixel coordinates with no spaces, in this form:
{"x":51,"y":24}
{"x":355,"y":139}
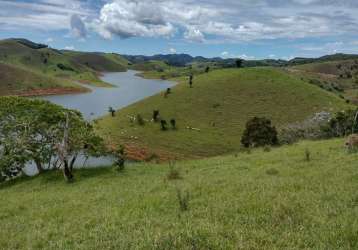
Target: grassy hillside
{"x":219,"y":105}
{"x":15,"y":80}
{"x":71,"y":66}
{"x":340,"y":77}
{"x":262,"y":200}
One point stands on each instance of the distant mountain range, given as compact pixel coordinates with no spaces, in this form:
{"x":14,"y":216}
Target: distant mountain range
{"x":185,"y":59}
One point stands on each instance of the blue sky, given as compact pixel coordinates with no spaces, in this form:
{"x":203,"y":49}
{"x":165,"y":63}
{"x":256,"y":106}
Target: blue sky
{"x":250,"y":29}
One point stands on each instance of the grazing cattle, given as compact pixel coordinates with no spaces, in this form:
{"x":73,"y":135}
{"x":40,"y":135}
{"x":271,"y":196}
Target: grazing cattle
{"x":352,"y":142}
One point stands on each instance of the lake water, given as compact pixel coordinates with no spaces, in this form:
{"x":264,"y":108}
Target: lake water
{"x":128,"y":89}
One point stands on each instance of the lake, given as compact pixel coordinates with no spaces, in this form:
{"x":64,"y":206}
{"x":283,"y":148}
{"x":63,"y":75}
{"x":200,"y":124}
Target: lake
{"x":128,"y":89}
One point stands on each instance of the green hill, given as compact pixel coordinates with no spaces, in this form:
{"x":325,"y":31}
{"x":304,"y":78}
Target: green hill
{"x":262,"y":200}
{"x":217,"y":107}
{"x":340,"y":77}
{"x":15,"y":80}
{"x":64,"y":65}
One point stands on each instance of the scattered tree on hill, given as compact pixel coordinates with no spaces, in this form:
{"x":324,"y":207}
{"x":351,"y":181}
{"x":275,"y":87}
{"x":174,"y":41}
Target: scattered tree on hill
{"x":140,"y":120}
{"x":155,"y":115}
{"x":239,"y":63}
{"x":38,"y":131}
{"x":163,"y":124}
{"x":191,"y":77}
{"x":259,"y":132}
{"x":120,"y":157}
{"x":112,"y":111}
{"x":207,"y":69}
{"x":344,"y":123}
{"x":173,"y":123}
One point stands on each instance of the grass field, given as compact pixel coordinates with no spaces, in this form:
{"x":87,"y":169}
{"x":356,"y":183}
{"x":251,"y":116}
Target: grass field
{"x":15,"y":80}
{"x":219,"y":105}
{"x":65,"y":66}
{"x":261,"y":200}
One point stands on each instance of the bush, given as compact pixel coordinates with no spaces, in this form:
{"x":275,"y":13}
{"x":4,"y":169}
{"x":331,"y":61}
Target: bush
{"x":259,"y":132}
{"x":173,"y":173}
{"x":140,"y":120}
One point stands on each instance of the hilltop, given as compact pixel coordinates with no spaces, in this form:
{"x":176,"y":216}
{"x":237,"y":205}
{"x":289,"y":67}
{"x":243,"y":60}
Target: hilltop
{"x":217,"y":107}
{"x":261,"y":200}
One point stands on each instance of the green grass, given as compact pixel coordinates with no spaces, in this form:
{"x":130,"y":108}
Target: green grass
{"x":331,"y":76}
{"x":16,"y":80}
{"x":261,"y":200}
{"x":83,"y":67}
{"x":219,"y":104}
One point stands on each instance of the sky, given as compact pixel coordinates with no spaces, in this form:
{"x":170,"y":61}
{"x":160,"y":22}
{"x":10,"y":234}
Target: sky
{"x":249,"y":29}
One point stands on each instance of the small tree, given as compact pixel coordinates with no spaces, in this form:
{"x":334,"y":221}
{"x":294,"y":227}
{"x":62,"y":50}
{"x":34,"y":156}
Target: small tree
{"x":163,"y":124}
{"x":140,"y":120}
{"x":155,"y":115}
{"x":259,"y":132}
{"x":191,"y":78}
{"x":173,"y":124}
{"x":239,"y":63}
{"x":112,"y":111}
{"x":207,"y":69}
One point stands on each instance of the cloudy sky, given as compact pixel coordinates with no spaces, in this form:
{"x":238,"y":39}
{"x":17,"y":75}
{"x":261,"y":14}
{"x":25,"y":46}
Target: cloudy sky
{"x":227,"y":28}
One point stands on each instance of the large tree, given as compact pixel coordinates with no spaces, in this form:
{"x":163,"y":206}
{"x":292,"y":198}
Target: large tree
{"x":36,"y":130}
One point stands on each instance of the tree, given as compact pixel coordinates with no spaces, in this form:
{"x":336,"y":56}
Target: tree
{"x":239,"y":63}
{"x":173,"y":123}
{"x":163,"y":124}
{"x":207,"y":69}
{"x":112,"y":111}
{"x":155,"y":115}
{"x":39,"y":131}
{"x":259,"y":132}
{"x":191,"y":77}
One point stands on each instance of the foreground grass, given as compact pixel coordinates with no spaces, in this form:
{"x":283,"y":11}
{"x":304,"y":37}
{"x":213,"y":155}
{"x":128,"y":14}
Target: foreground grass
{"x":219,"y":105}
{"x":262,"y":200}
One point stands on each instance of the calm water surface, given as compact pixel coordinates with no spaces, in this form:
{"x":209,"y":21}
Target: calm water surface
{"x":129,"y":89}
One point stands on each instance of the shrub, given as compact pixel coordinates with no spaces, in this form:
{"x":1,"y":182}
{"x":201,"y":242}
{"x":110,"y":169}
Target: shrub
{"x":140,"y":120}
{"x":183,"y":199}
{"x":155,"y":115}
{"x":174,"y":173}
{"x":344,"y":123}
{"x":272,"y":171}
{"x":173,"y":123}
{"x":163,"y":124}
{"x":259,"y":132}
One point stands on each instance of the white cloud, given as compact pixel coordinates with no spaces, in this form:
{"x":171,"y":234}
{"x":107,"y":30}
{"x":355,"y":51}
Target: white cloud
{"x":71,"y":47}
{"x":172,"y":51}
{"x":78,"y":28}
{"x":246,"y":57}
{"x":194,"y":35}
{"x":49,"y":40}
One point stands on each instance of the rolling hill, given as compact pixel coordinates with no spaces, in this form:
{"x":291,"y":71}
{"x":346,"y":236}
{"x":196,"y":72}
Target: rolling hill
{"x":262,"y":200}
{"x":65,"y":66}
{"x":217,"y":107}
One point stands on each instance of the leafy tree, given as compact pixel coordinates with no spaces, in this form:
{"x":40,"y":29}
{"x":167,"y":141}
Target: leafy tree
{"x":239,"y":63}
{"x":207,"y":69}
{"x":155,"y":115}
{"x":344,"y":123}
{"x":173,"y":123}
{"x":39,"y":131}
{"x":163,"y":124}
{"x":112,"y":111}
{"x":259,"y":132}
{"x":191,"y":78}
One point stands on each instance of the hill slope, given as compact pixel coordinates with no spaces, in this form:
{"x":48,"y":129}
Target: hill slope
{"x":219,"y":105}
{"x":71,"y":66}
{"x":262,"y":200}
{"x":15,"y":80}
